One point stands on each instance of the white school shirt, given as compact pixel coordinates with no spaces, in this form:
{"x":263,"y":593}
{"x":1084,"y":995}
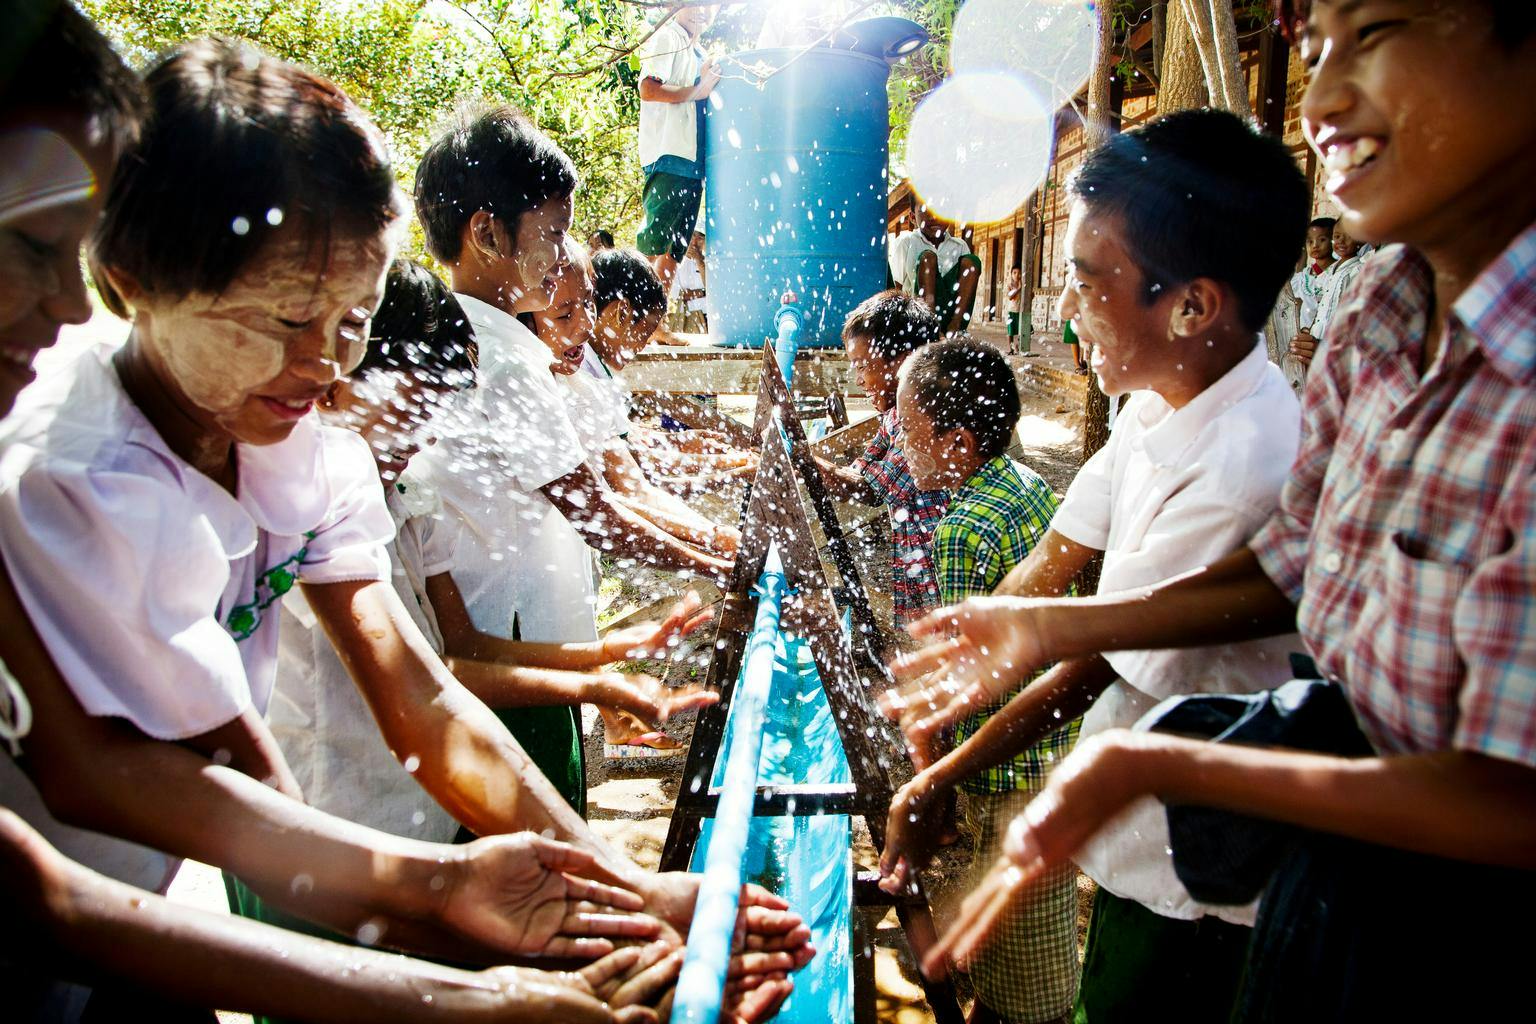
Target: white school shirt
{"x":320,"y":718}
{"x":132,"y":566}
{"x":690,"y":277}
{"x":1310,"y":289}
{"x":670,"y":129}
{"x":599,"y":411}
{"x":908,"y":245}
{"x":498,"y":444}
{"x":1341,"y":276}
{"x":1174,"y":490}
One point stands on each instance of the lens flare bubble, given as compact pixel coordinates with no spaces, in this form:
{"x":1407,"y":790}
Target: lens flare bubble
{"x":979,"y":145}
{"x":1049,"y":43}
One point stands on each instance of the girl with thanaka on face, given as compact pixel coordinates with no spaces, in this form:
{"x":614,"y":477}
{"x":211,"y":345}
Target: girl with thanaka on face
{"x":70,"y":107}
{"x":566,"y":328}
{"x":1401,"y":547}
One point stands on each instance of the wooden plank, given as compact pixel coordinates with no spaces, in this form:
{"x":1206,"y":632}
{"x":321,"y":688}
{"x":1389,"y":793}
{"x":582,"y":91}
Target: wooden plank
{"x":734,"y":371}
{"x":844,"y":444}
{"x":688,"y":410}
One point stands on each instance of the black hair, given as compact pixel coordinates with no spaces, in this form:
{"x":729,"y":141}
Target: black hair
{"x":625,"y":274}
{"x":605,"y":236}
{"x":1326,"y":223}
{"x":964,"y":383}
{"x":1201,"y":193}
{"x":1513,"y":20}
{"x":52,"y":58}
{"x":237,"y":144}
{"x":420,"y":328}
{"x":496,"y":161}
{"x":894,"y":323}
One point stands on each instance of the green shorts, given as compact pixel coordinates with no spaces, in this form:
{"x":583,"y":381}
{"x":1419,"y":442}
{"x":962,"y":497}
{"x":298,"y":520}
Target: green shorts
{"x":671,"y":204}
{"x":947,"y":301}
{"x":1013,"y":324}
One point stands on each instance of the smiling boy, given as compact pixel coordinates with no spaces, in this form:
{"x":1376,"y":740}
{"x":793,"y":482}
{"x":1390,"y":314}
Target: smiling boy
{"x":1403,"y":547}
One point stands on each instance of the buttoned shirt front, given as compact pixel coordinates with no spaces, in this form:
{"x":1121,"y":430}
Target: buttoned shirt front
{"x":1407,"y":530}
{"x":914,"y":514}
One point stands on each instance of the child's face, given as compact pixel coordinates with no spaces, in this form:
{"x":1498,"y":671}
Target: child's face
{"x":1319,"y":244}
{"x":1344,"y":247}
{"x":936,"y":460}
{"x":1128,"y":342}
{"x":695,"y":20}
{"x":621,"y":336}
{"x":538,"y":249}
{"x":41,"y":289}
{"x":568,"y":324}
{"x":254,"y":360}
{"x":391,"y":410}
{"x":1410,"y":107}
{"x":877,"y":377}
{"x":931,"y":227}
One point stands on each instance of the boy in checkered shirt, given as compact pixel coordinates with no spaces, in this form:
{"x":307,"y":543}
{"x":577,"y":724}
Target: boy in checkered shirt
{"x":1404,"y":547}
{"x":958,"y":403}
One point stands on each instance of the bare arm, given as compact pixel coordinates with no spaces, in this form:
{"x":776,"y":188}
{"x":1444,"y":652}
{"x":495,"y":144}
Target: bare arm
{"x":1049,"y":569}
{"x":846,"y":483}
{"x":608,"y":524}
{"x":623,"y":474}
{"x":99,"y":928}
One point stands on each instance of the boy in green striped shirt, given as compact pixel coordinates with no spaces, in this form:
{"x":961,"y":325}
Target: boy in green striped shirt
{"x":958,"y":403}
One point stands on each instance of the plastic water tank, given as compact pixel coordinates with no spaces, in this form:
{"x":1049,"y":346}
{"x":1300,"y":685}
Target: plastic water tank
{"x":795,"y":194}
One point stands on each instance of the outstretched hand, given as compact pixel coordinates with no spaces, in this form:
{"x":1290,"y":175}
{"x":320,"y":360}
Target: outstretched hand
{"x":1083,"y":794}
{"x":532,"y":896}
{"x":648,"y":698}
{"x":975,"y":653}
{"x":648,"y":640}
{"x":912,"y":829}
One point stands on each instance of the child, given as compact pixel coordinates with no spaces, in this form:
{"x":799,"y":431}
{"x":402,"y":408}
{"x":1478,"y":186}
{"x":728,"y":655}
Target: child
{"x":938,"y":268}
{"x":1351,"y":255}
{"x":880,"y":334}
{"x":675,"y":80}
{"x":1310,"y":283}
{"x":566,"y":329}
{"x":1415,"y":597}
{"x":70,"y":86}
{"x":958,"y":403}
{"x":494,"y":197}
{"x":630,"y":302}
{"x":1018,"y":342}
{"x":1193,"y":468}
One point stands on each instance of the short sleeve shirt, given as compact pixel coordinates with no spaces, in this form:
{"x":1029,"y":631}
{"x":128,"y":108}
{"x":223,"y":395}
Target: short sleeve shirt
{"x":1174,"y":490}
{"x":498,"y":445}
{"x":1407,"y":530}
{"x":670,"y":133}
{"x":914,"y":514}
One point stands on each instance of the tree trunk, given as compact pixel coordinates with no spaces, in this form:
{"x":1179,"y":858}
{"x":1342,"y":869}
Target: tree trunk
{"x":1182,"y":86}
{"x":1224,"y":53}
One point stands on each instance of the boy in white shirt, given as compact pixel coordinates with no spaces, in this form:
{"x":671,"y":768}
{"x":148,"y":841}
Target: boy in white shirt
{"x":675,"y":80}
{"x":938,"y":268}
{"x":1194,"y":466}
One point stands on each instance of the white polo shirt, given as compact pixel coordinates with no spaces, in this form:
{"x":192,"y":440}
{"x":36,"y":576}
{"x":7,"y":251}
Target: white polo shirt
{"x":499,"y":443}
{"x":1175,"y":490}
{"x":670,"y":129}
{"x":154,"y":589}
{"x":320,"y":718}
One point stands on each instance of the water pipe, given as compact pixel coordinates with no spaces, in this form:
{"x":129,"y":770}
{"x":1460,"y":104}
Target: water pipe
{"x":787,"y":321}
{"x":701,"y":986}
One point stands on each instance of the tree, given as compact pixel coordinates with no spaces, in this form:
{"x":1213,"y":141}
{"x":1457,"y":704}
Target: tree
{"x":1200,"y":63}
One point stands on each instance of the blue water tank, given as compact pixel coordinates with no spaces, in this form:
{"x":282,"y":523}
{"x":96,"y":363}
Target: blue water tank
{"x":795,"y":194}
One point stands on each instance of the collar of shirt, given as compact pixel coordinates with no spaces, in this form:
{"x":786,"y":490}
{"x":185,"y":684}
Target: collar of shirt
{"x":1168,"y":431}
{"x":499,"y":334}
{"x":1499,"y":310}
{"x":990,"y":477}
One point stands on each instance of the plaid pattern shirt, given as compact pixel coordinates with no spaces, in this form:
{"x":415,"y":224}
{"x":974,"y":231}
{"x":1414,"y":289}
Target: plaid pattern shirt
{"x":914,"y":514}
{"x":1407,"y":531}
{"x":993,"y":523}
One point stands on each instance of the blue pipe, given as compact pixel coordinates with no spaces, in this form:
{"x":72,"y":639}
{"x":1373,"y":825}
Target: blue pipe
{"x":701,"y":986}
{"x":787,"y":321}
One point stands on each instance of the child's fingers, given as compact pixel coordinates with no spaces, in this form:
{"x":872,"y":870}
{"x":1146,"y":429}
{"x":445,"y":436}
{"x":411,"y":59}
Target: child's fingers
{"x":610,"y":968}
{"x":766,"y":962}
{"x":979,"y":915}
{"x":582,"y":869}
{"x":591,"y":919}
{"x":567,"y":947}
{"x":648,"y":983}
{"x":933,"y":658}
{"x":610,"y":897}
{"x":764,"y":1001}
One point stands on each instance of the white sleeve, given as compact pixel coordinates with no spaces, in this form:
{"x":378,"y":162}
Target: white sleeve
{"x":350,"y":544}
{"x":900,"y":258}
{"x":439,"y":542}
{"x":659,"y":55}
{"x":122,"y":579}
{"x":1084,"y":515}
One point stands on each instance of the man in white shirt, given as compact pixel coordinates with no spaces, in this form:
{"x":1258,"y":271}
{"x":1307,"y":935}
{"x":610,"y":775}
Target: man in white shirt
{"x":1194,"y":466}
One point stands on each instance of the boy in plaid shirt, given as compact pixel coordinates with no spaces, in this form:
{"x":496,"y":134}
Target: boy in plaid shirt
{"x":958,"y":403}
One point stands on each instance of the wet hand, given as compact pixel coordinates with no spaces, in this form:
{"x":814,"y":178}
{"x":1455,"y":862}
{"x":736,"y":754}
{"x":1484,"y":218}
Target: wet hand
{"x":709,"y":77}
{"x":911,"y":832}
{"x":975,"y":653}
{"x":648,"y":640}
{"x":647,"y":697}
{"x":533,"y":896}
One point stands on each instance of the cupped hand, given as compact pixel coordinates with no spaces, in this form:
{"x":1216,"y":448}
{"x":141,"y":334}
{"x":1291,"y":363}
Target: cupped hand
{"x":648,"y":640}
{"x":648,"y":698}
{"x":974,"y":654}
{"x":533,"y":896}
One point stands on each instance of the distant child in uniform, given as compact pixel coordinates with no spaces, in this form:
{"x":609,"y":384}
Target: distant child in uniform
{"x":675,"y":80}
{"x":938,"y":268}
